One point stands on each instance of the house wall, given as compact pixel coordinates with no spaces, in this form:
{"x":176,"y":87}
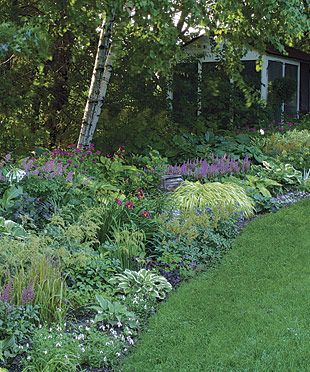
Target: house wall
{"x":201,"y":49}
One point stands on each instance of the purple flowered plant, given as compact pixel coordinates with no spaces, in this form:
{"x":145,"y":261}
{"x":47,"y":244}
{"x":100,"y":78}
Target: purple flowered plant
{"x":7,"y":291}
{"x":57,"y":163}
{"x":218,"y":166}
{"x":28,"y":294}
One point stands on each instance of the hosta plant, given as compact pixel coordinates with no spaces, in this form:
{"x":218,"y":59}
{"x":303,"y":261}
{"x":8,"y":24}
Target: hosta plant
{"x":11,"y":228}
{"x":114,"y":313}
{"x":224,"y":199}
{"x":142,"y":281}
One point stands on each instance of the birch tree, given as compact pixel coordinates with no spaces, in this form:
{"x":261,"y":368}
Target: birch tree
{"x":99,"y":82}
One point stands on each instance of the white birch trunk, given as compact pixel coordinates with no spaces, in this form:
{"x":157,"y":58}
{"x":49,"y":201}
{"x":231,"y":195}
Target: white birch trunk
{"x":99,"y":84}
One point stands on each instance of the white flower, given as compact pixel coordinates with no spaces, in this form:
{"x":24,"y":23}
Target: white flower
{"x":262,"y":132}
{"x":130,"y":341}
{"x":15,"y":174}
{"x":58,"y":344}
{"x":119,"y":324}
{"x":45,"y":352}
{"x":66,"y":356}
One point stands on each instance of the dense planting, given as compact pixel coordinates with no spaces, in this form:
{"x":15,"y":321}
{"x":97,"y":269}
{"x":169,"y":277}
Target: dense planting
{"x":90,"y":245}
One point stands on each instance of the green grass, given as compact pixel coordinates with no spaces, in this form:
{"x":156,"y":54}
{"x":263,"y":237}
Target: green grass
{"x":250,"y":313}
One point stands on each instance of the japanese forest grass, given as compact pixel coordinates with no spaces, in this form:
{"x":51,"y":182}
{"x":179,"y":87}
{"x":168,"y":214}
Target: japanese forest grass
{"x":249,"y":313}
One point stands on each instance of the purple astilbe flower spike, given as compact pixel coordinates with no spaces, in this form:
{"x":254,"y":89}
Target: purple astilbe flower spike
{"x":69,"y":177}
{"x":7,"y":292}
{"x":28,"y":294}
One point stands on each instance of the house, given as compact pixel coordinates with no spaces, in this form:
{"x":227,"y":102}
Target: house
{"x":288,"y":74}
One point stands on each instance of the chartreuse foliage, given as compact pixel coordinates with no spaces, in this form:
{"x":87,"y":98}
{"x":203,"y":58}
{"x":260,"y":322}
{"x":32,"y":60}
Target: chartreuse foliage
{"x":251,"y":312}
{"x":223,"y":199}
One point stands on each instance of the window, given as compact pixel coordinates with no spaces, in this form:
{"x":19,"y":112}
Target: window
{"x":283,"y":88}
{"x":291,"y":73}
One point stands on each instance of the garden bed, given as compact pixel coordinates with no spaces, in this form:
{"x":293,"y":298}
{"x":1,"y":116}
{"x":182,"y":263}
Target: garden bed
{"x":91,"y":247}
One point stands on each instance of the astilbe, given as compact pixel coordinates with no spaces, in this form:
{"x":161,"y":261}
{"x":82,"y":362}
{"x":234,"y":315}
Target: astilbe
{"x":7,"y":292}
{"x":218,"y":166}
{"x":59,"y":162}
{"x":28,"y":294}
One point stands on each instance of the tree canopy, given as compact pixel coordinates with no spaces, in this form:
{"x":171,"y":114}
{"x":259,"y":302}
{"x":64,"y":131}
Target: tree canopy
{"x":47,"y":52}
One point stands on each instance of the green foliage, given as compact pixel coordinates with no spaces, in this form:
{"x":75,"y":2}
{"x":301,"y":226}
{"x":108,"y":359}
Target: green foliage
{"x":223,"y":199}
{"x":11,"y":228}
{"x":188,"y":146}
{"x":114,"y":313}
{"x":101,"y":350}
{"x":90,"y":271}
{"x":9,"y":196}
{"x":126,"y":246}
{"x":262,"y":184}
{"x":281,"y":91}
{"x":142,"y":282}
{"x":53,"y":350}
{"x":284,"y":173}
{"x":252,"y":290}
{"x":48,"y":287}
{"x":17,"y":325}
{"x":204,"y":243}
{"x":291,"y":147}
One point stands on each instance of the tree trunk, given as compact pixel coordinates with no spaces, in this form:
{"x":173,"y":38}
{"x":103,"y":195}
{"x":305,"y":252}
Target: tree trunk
{"x":99,"y":83}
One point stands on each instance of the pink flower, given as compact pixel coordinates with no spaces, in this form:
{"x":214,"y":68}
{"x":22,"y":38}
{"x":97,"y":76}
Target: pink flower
{"x":140,"y":194}
{"x":146,"y":214}
{"x":118,"y":201}
{"x":129,"y":205}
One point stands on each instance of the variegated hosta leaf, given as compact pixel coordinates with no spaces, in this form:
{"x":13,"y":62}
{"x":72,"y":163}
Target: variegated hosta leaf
{"x":142,"y":281}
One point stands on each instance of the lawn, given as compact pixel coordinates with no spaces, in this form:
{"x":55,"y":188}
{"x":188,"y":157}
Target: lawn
{"x":250,"y":313}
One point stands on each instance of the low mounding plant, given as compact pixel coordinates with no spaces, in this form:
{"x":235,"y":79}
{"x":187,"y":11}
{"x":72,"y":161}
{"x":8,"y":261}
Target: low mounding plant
{"x":11,"y":228}
{"x":223,"y":199}
{"x":142,"y":281}
{"x":114,"y":313}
